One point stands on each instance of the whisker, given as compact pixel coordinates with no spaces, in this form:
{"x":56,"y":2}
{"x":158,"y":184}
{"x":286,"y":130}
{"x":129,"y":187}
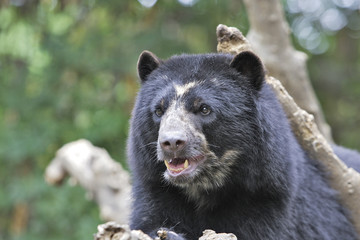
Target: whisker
{"x":154,"y":158}
{"x":149,"y":144}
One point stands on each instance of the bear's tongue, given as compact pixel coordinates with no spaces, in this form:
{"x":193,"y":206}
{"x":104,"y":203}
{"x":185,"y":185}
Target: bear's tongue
{"x":177,"y":165}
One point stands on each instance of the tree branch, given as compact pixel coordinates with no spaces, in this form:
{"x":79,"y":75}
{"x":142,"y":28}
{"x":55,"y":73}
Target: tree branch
{"x":104,"y":179}
{"x":115,"y":231}
{"x":343,"y":179}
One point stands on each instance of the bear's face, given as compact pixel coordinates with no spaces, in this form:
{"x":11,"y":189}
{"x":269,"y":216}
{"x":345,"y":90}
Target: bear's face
{"x":194,"y":103}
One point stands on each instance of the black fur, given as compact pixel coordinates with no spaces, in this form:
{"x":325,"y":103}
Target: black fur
{"x":146,"y":64}
{"x":271,"y":188}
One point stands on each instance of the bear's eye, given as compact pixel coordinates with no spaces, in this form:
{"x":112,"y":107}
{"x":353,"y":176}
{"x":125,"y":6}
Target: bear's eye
{"x":205,"y":110}
{"x":159,"y":112}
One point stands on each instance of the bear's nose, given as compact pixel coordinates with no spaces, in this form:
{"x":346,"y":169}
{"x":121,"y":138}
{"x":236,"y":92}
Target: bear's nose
{"x":172,"y":141}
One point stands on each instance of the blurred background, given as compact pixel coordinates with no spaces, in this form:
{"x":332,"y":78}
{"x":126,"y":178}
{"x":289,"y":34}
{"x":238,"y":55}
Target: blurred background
{"x":68,"y":71}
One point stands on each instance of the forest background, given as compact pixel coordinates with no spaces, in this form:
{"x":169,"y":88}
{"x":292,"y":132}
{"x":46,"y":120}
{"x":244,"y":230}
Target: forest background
{"x":68,"y":71}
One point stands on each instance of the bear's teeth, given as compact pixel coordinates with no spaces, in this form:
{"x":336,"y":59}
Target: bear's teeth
{"x":186,"y":164}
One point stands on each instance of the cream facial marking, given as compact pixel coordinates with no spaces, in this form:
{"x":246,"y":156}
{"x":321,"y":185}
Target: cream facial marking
{"x":181,"y":90}
{"x":230,"y":155}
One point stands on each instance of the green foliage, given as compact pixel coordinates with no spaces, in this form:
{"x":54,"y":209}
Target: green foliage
{"x":332,"y":28}
{"x":336,"y":77}
{"x":68,"y":71}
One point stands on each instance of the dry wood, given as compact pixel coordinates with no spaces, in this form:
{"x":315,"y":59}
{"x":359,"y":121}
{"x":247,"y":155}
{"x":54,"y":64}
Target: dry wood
{"x":343,"y":179}
{"x":104,"y":179}
{"x":115,"y":231}
{"x":212,"y":235}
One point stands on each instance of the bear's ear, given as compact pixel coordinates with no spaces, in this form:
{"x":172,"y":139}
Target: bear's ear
{"x":250,"y":66}
{"x":147,"y":63}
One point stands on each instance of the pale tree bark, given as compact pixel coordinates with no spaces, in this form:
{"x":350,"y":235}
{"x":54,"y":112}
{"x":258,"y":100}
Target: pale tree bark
{"x":104,"y":179}
{"x":269,"y":35}
{"x":115,"y":231}
{"x":343,"y":179}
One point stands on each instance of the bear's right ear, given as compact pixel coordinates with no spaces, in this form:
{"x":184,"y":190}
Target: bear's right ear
{"x":250,"y":66}
{"x":147,"y":63}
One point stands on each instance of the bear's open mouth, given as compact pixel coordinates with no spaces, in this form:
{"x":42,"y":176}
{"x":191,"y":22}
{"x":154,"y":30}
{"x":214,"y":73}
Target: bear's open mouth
{"x":179,"y":166}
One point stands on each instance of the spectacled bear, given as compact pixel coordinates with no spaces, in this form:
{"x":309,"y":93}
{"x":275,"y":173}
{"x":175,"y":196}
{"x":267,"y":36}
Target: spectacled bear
{"x":210,"y":147}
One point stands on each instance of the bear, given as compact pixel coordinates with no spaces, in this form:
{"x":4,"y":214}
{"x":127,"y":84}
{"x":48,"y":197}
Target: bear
{"x":210,"y":147}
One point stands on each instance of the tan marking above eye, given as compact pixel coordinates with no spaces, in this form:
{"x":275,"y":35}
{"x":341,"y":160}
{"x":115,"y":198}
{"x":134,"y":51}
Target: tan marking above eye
{"x":182,"y":89}
{"x":197,"y":103}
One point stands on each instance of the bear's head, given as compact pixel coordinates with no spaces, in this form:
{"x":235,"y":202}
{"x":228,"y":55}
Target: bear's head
{"x":195,"y":124}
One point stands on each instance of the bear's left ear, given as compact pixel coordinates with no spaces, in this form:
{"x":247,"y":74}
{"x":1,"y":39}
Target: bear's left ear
{"x":250,"y":66}
{"x":147,"y":63}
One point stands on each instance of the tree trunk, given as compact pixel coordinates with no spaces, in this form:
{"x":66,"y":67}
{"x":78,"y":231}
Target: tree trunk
{"x":269,"y":35}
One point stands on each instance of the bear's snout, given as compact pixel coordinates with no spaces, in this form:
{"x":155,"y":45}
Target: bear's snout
{"x":172,"y":141}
